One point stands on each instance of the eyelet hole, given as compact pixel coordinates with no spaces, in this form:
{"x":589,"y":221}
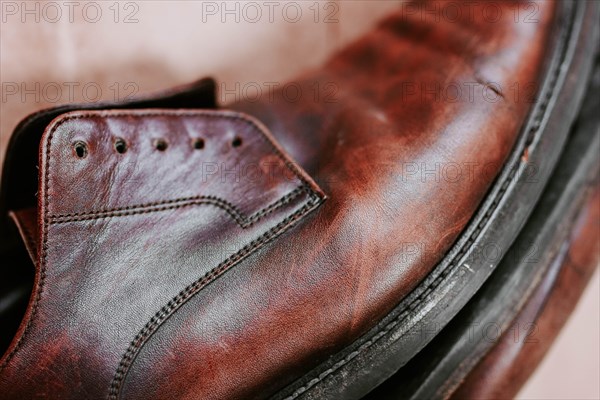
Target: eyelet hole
{"x":80,"y":149}
{"x":198,"y":143}
{"x":120,"y":146}
{"x":236,"y":142}
{"x":160,"y":144}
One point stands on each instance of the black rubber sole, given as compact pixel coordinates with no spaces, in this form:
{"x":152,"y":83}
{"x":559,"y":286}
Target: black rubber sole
{"x":364,"y":365}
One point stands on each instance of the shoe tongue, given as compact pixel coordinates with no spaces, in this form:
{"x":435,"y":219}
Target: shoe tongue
{"x":26,"y":222}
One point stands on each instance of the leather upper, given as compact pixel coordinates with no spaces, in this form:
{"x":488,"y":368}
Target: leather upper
{"x":106,"y":255}
{"x":221,"y":272}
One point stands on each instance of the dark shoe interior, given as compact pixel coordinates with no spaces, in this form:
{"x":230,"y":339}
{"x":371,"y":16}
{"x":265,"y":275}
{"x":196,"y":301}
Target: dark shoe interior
{"x":16,"y":281}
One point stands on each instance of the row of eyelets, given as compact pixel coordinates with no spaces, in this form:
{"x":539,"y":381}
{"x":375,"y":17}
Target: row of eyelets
{"x":81,"y":150}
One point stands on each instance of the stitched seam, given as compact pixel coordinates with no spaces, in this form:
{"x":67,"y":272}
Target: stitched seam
{"x":44,"y":249}
{"x":284,"y":200}
{"x":186,"y":294}
{"x":88,"y":214}
{"x":232,"y":211}
{"x":531,"y":134}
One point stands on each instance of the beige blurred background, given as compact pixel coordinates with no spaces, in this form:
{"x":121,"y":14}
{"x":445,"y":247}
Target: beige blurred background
{"x":56,"y":54}
{"x":52,"y":53}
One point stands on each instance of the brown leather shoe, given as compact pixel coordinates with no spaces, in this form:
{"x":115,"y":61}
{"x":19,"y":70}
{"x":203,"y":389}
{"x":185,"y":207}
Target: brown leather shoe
{"x":292,"y":247}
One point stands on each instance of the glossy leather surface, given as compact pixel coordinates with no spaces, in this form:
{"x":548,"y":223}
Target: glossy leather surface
{"x":122,"y":306}
{"x":19,"y":190}
{"x":111,"y":258}
{"x":388,"y":219}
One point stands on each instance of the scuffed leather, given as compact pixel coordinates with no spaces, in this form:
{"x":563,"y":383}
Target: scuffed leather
{"x":124,"y":310}
{"x":384,"y":226}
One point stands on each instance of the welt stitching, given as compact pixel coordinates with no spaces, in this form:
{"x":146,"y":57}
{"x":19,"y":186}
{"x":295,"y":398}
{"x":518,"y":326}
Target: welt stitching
{"x":187,"y":293}
{"x":414,"y":303}
{"x":531,"y":134}
{"x":39,"y":285}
